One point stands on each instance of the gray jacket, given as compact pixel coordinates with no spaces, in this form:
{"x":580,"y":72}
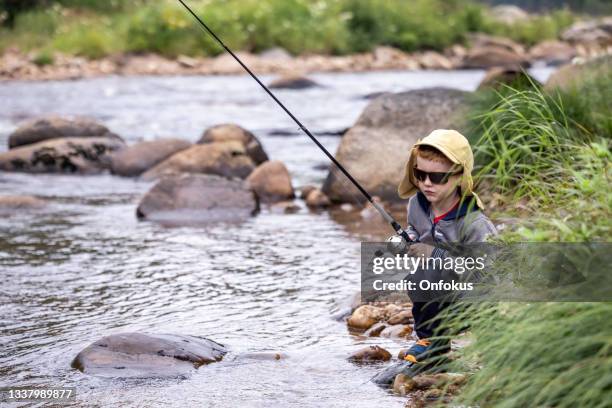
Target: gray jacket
{"x":466,"y":224}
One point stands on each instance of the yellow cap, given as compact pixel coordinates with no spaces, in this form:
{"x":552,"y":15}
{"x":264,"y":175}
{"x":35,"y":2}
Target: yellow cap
{"x":456,"y":148}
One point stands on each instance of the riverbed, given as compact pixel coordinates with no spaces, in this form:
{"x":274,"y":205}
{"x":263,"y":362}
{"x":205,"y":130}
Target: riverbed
{"x":84,"y":267}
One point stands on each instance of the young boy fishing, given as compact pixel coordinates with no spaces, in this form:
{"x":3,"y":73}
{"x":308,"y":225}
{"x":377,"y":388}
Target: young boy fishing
{"x":442,"y":208}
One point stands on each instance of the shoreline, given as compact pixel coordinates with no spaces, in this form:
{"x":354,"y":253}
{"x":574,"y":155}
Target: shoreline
{"x":19,"y":66}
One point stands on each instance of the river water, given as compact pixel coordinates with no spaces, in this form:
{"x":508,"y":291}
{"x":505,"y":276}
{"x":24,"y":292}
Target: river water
{"x":84,"y":267}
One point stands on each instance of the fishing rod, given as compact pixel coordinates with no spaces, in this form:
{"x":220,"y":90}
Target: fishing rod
{"x":394,"y":224}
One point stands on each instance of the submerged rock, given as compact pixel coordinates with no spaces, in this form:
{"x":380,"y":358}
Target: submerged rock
{"x":88,"y":155}
{"x":271,"y":182}
{"x":136,"y":159}
{"x":229,"y":132}
{"x":370,"y":353}
{"x":17,"y":203}
{"x":376,"y":148}
{"x":292,"y":82}
{"x":54,"y":127}
{"x":144,"y":355}
{"x":228,"y":159}
{"x":187,"y":198}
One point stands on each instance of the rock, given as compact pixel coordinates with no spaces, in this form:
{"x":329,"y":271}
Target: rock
{"x":275,"y":54}
{"x":552,"y":52}
{"x":305,"y":190}
{"x":87,"y":155}
{"x":391,"y":309}
{"x":371,"y":353}
{"x":285,"y":207}
{"x":53,"y":127}
{"x":365,"y":316}
{"x":345,"y":307}
{"x":317,"y":199}
{"x":376,"y":148}
{"x":187,"y":198}
{"x":590,"y":32}
{"x":489,"y":57}
{"x":434,"y":60}
{"x":229,"y":132}
{"x":143,"y":355}
{"x":375,"y":330}
{"x":227,"y":159}
{"x":136,"y":159}
{"x":400,"y":331}
{"x":480,"y":40}
{"x":187,"y":62}
{"x":262,"y":355}
{"x":271,"y":182}
{"x":508,"y":14}
{"x":403,"y":384}
{"x":497,"y":77}
{"x":573,"y":75}
{"x":15,"y":203}
{"x":292,"y":82}
{"x":403,"y":317}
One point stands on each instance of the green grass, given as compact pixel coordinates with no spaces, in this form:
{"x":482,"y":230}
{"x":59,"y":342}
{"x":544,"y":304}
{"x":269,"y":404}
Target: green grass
{"x":93,"y":28}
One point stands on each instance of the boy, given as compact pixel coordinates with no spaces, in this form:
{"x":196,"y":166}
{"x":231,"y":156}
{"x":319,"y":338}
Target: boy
{"x":442,"y":208}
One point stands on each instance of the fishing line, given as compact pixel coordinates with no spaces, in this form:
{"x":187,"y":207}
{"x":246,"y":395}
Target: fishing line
{"x":394,"y":224}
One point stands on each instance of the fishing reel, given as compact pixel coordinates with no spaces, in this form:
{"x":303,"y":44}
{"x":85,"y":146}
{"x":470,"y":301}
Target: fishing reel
{"x":396,"y":244}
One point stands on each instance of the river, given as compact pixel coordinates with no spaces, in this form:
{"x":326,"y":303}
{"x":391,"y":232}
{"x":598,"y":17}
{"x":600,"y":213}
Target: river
{"x":84,"y":267}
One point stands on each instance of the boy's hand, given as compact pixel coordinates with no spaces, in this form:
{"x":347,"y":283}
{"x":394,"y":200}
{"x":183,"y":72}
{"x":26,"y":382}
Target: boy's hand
{"x":420,"y":249}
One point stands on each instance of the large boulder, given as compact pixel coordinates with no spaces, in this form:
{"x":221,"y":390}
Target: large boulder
{"x":271,"y":182}
{"x":480,"y":40}
{"x":140,"y":355}
{"x":229,"y":132}
{"x":489,"y":57}
{"x":375,"y":149}
{"x":136,"y":159}
{"x":552,"y":52}
{"x":87,"y":155}
{"x":570,"y":76}
{"x":227,"y":159}
{"x":53,"y":127}
{"x":187,"y":198}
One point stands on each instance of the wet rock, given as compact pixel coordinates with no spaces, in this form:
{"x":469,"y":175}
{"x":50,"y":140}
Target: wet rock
{"x":573,"y":75}
{"x":370,"y":353}
{"x":489,"y":57}
{"x":375,"y":330}
{"x":53,"y":127}
{"x":365,"y":316}
{"x":87,"y":155}
{"x":305,"y":190}
{"x":271,"y":182}
{"x":143,"y":355}
{"x":391,"y":309}
{"x":136,"y":159}
{"x":188,"y":198}
{"x":16,"y":203}
{"x":552,"y":52}
{"x":403,"y":384}
{"x":227,"y":159}
{"x":590,"y":32}
{"x":286,"y":207}
{"x":292,"y":82}
{"x":376,"y":148}
{"x":400,"y":331}
{"x":497,"y":77}
{"x":403,"y":317}
{"x":229,"y":132}
{"x":317,"y":199}
{"x":346,"y":306}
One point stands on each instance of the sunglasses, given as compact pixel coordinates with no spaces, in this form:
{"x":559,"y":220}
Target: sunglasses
{"x":434,"y":177}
